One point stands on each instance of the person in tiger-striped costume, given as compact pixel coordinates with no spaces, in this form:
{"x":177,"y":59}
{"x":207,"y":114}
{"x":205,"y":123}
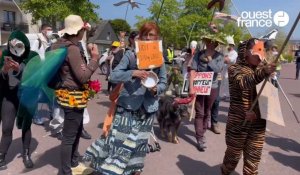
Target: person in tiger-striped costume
{"x":247,"y":138}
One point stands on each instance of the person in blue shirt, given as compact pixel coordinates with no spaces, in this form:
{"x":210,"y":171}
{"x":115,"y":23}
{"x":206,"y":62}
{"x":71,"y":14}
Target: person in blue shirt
{"x":124,"y":149}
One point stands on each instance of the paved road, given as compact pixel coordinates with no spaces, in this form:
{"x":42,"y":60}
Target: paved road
{"x":281,"y":153}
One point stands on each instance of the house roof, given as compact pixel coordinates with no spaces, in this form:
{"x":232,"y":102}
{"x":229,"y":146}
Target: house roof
{"x":294,"y":41}
{"x":99,"y":28}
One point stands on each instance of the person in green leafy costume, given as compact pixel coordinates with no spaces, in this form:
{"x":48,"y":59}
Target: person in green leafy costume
{"x":176,"y":79}
{"x":12,"y":64}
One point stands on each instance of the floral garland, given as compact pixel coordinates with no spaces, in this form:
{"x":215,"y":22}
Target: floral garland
{"x":79,"y":98}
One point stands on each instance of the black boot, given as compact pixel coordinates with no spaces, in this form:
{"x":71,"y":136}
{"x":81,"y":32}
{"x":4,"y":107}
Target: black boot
{"x":26,"y":158}
{"x":2,"y":161}
{"x":85,"y":134}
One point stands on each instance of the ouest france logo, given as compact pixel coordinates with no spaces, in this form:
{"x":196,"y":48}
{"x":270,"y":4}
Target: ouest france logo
{"x":263,"y":19}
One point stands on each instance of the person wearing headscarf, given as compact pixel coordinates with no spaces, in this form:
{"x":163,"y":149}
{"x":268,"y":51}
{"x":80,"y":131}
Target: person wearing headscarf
{"x":12,"y":65}
{"x":245,"y":129}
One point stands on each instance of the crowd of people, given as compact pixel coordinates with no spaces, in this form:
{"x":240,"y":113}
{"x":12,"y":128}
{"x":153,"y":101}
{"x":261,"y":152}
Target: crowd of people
{"x":123,"y":148}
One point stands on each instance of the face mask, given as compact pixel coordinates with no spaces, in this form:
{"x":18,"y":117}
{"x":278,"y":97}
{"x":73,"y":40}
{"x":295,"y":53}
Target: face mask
{"x":258,"y":49}
{"x":16,"y":47}
{"x":49,"y":33}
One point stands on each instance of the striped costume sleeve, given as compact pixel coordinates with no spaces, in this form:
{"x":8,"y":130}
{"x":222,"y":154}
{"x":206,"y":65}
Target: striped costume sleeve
{"x":246,"y":78}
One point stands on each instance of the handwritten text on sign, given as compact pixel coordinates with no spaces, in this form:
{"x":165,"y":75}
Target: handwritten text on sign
{"x":202,"y":83}
{"x":149,"y":54}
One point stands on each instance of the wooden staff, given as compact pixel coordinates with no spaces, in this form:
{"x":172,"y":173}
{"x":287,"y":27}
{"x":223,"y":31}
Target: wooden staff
{"x":276,"y":60}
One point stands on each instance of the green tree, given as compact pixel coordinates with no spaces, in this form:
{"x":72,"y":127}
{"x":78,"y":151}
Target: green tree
{"x":120,"y":25}
{"x":193,"y":18}
{"x":280,"y":38}
{"x":57,"y":10}
{"x":182,"y":20}
{"x":231,"y":28}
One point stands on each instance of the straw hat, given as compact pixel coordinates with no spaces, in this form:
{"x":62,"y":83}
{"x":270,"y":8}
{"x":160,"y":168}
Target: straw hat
{"x":73,"y":23}
{"x":210,"y":35}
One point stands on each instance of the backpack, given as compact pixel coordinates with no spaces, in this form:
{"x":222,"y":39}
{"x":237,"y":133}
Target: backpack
{"x":57,"y":80}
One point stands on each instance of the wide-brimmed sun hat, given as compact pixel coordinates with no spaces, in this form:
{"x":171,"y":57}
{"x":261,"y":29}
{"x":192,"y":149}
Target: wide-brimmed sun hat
{"x":216,"y":37}
{"x":73,"y":23}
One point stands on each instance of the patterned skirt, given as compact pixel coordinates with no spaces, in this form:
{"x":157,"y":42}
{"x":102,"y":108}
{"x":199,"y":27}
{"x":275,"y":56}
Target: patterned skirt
{"x":123,"y":151}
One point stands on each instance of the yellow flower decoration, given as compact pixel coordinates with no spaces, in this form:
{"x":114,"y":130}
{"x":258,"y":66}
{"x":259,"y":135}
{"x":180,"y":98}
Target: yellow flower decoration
{"x":72,"y":101}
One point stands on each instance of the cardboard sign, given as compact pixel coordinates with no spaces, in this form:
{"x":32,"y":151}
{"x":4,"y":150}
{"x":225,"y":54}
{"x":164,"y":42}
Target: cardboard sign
{"x":269,"y":104}
{"x":202,"y":82}
{"x":186,"y":84}
{"x":149,"y":54}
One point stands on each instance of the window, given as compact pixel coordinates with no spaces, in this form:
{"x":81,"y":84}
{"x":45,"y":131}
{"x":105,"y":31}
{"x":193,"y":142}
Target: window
{"x":9,"y":17}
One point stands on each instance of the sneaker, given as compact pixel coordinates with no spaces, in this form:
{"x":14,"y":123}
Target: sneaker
{"x":200,"y":146}
{"x":81,"y":169}
{"x":2,"y":164}
{"x":38,"y":121}
{"x":215,"y":128}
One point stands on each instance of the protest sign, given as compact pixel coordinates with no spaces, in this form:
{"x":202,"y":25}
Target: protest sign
{"x":269,"y":104}
{"x":149,"y":54}
{"x":202,"y":82}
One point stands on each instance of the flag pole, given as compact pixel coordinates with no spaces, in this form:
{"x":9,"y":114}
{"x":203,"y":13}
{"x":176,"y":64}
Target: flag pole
{"x":161,"y":6}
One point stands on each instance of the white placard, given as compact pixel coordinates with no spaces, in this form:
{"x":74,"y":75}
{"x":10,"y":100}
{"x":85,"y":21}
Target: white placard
{"x":269,"y":104}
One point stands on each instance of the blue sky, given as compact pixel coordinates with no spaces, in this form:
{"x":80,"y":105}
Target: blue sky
{"x":292,"y":7}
